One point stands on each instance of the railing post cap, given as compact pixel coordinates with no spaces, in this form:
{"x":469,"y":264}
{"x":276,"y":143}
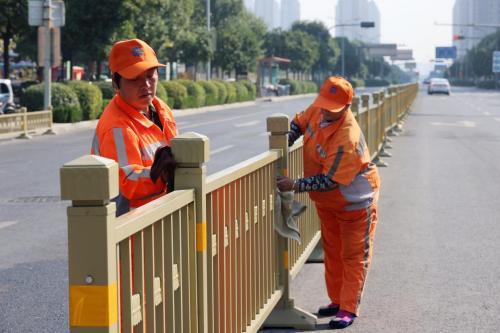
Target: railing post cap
{"x":365,"y":97}
{"x":191,"y":148}
{"x":89,"y":178}
{"x":278,"y":123}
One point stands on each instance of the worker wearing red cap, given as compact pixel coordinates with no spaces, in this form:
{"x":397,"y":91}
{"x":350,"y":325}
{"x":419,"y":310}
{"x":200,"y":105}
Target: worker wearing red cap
{"x":135,"y":124}
{"x":344,"y":184}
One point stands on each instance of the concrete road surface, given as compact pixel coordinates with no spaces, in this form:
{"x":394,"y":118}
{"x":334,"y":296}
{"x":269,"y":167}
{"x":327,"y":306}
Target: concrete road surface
{"x":435,"y":267}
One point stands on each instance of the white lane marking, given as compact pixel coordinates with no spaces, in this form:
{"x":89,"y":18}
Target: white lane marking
{"x":221,"y":149}
{"x":463,"y":123}
{"x":6,"y":224}
{"x":247,"y":124}
{"x":217,"y":121}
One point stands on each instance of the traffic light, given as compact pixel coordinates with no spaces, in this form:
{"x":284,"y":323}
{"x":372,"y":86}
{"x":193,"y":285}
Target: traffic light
{"x":458,"y":37}
{"x":367,"y":24}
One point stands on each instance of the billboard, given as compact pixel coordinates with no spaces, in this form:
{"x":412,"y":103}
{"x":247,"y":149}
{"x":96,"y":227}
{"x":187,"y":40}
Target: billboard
{"x":403,"y":55}
{"x":446,"y":52}
{"x":382,"y":50}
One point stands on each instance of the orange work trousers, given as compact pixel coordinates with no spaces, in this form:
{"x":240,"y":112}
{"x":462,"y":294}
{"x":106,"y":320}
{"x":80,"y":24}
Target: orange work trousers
{"x":348,"y":246}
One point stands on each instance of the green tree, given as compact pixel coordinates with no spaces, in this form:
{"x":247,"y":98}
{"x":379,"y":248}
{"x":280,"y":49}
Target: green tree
{"x":239,"y":42}
{"x":275,"y":43}
{"x":302,"y":50}
{"x":13,"y":23}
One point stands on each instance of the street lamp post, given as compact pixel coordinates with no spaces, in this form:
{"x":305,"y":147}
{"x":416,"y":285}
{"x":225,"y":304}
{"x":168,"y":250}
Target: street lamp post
{"x":47,"y":75}
{"x":209,"y":69}
{"x":363,"y":24}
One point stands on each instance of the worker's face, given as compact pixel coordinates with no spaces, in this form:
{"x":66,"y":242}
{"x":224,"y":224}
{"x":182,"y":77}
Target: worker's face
{"x":139,"y":92}
{"x":332,"y":116}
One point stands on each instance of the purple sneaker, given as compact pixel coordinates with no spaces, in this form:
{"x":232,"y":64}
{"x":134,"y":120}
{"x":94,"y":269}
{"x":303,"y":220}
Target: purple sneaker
{"x":342,"y":320}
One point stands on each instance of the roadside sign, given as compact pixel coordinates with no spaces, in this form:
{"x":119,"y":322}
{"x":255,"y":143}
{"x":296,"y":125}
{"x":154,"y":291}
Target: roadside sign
{"x":446,"y":52}
{"x":403,"y":55}
{"x":382,"y":50}
{"x":35,"y":13}
{"x":496,"y":62}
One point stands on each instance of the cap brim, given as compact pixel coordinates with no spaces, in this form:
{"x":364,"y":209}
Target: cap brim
{"x":131,"y":72}
{"x":327,"y":104}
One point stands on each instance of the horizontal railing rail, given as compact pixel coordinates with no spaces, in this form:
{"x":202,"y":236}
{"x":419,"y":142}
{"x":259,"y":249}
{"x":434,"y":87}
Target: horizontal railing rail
{"x":24,"y":122}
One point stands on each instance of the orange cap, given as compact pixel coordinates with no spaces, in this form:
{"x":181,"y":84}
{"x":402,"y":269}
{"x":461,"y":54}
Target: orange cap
{"x":335,"y":93}
{"x":132,"y":57}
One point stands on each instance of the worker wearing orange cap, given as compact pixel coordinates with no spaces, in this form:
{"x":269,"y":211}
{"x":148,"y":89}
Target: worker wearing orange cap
{"x":344,"y":184}
{"x":135,"y":124}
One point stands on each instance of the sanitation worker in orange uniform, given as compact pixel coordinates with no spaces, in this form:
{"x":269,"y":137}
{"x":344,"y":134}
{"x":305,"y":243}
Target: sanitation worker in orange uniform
{"x":135,"y":126}
{"x":344,"y":185}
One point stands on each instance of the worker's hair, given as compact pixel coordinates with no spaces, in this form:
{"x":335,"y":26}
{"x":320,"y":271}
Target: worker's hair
{"x":116,"y":78}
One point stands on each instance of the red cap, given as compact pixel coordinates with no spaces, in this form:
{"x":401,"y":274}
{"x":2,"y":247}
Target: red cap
{"x":335,"y":93}
{"x":132,"y":57}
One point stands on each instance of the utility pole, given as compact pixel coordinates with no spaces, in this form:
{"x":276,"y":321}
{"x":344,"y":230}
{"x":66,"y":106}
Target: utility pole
{"x":47,"y":68}
{"x":209,"y":69}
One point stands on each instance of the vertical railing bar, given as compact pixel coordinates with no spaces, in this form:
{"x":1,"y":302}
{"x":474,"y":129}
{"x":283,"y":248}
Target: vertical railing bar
{"x":178,"y":294}
{"x":126,"y":285}
{"x":159,"y":250}
{"x":170,"y":309}
{"x":138,"y":277}
{"x":211,"y":272}
{"x":149,"y":275}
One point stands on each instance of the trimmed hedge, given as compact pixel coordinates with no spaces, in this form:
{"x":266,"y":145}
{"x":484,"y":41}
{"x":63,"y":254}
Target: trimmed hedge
{"x":161,"y":93}
{"x":300,"y":87}
{"x":241,"y":92}
{"x":89,"y":96}
{"x":232,"y":97}
{"x":177,"y":94}
{"x":196,"y":94}
{"x":211,"y":92}
{"x":252,"y":89}
{"x":221,"y":87}
{"x":66,"y":108}
{"x":356,"y":83}
{"x":106,"y":88}
{"x":377,"y":83}
{"x":486,"y":84}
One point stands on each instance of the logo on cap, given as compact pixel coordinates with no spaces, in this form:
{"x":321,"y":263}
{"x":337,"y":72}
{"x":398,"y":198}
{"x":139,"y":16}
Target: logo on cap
{"x":137,"y":51}
{"x":333,"y":90}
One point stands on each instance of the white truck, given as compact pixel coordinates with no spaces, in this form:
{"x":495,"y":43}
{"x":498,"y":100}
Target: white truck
{"x":6,"y":97}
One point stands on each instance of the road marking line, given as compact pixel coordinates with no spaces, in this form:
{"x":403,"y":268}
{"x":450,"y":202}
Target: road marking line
{"x":221,"y":149}
{"x":463,"y":123}
{"x":247,"y":124}
{"x":6,"y":224}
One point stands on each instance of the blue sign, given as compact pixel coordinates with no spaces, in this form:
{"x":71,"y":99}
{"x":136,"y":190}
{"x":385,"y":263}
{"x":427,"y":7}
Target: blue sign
{"x":446,"y":52}
{"x":496,"y":62}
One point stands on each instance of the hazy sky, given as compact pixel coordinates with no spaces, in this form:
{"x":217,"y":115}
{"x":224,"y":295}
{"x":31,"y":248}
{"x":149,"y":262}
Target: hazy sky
{"x":409,"y":23}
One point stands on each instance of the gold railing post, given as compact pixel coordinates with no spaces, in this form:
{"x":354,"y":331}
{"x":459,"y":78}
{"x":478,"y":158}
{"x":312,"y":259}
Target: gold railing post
{"x":25,"y":134}
{"x":90,"y":182}
{"x":191,"y":151}
{"x":285,"y":314}
{"x":51,"y":122}
{"x":355,"y":107}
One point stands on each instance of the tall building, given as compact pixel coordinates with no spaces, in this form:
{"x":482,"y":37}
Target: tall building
{"x":478,"y":12}
{"x":352,"y":12}
{"x":250,"y":5}
{"x":290,"y":12}
{"x":269,"y":11}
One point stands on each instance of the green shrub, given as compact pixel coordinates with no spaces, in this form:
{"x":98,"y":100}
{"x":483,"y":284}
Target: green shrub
{"x":295,"y":86}
{"x":89,"y":96}
{"x":65,"y":105}
{"x":161,"y":93}
{"x":310,"y":87}
{"x":106,"y":88}
{"x":356,"y":83}
{"x":221,"y":87}
{"x":232,"y":97}
{"x":241,"y":92}
{"x":252,"y":89}
{"x":176,"y":93}
{"x":377,"y":83}
{"x":196,"y":94}
{"x":211,"y":92}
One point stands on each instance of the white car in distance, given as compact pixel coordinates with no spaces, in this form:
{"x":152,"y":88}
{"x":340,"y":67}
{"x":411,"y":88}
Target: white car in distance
{"x":439,"y":86}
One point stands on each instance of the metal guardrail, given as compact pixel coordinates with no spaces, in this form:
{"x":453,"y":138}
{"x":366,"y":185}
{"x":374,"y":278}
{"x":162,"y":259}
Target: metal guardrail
{"x":23,"y":122}
{"x":204,"y":258}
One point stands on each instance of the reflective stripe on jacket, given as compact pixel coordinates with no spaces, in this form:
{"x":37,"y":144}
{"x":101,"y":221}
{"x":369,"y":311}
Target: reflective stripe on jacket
{"x":131,"y":139}
{"x":340,"y":152}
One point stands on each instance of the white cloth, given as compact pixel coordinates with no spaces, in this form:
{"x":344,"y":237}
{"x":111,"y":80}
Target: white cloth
{"x":286,"y":213}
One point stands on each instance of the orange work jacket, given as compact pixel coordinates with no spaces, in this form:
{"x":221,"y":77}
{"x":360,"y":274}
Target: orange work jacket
{"x":340,"y":152}
{"x":131,"y":139}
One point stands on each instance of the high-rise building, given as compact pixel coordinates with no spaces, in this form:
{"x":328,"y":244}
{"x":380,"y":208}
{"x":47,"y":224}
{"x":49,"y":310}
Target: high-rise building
{"x":250,"y":5}
{"x":352,"y":13}
{"x":290,"y":12}
{"x":470,"y":12}
{"x":269,"y":12}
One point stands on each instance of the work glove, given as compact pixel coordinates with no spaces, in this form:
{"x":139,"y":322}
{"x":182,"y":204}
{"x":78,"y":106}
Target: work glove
{"x":164,"y":166}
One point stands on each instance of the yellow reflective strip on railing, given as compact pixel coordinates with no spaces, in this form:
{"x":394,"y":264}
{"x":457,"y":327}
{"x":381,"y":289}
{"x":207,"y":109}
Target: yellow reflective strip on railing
{"x":285,"y":172}
{"x":286,"y":264}
{"x":93,"y":305}
{"x":201,"y":237}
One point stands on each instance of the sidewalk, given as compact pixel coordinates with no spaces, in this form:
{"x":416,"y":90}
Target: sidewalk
{"x":60,"y":128}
